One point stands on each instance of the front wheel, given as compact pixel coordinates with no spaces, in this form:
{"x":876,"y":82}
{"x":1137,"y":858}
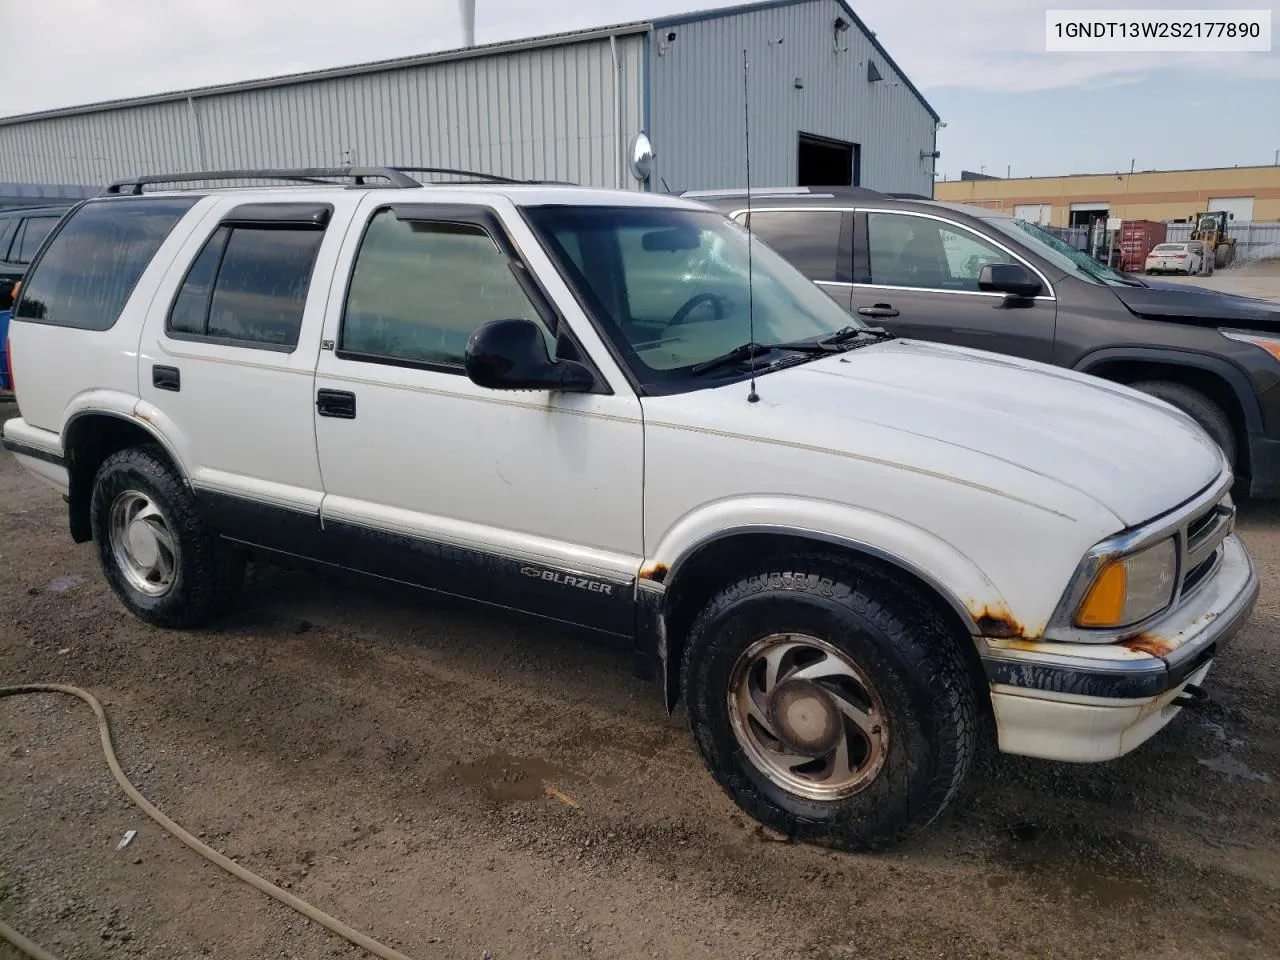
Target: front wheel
{"x":829,"y":702}
{"x":154,"y":543}
{"x":1199,"y":408}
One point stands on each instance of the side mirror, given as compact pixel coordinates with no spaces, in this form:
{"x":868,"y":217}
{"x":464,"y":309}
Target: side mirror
{"x":512,"y":355}
{"x":1011,"y":278}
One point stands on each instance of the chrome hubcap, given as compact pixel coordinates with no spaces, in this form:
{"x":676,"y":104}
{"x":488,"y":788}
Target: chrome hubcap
{"x":807,"y":717}
{"x":142,"y":543}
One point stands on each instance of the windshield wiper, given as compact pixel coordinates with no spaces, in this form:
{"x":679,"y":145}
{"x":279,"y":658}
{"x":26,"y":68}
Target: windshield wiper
{"x":831,"y":343}
{"x":845,"y":334}
{"x":750,"y":351}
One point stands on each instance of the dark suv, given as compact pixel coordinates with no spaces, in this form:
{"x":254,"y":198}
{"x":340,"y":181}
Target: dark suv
{"x":22,"y":229}
{"x":980,"y":278}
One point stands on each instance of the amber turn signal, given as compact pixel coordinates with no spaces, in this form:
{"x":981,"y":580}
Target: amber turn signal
{"x":1103,"y":605}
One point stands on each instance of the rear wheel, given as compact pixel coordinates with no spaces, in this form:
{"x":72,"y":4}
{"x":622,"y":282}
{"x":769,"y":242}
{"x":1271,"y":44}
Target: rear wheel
{"x":155,"y":545}
{"x":1199,"y":408}
{"x":829,"y":702}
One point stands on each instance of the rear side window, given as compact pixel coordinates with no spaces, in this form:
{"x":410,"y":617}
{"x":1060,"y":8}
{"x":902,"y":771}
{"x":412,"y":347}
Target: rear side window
{"x":247,"y":287}
{"x":809,"y":239}
{"x":8,"y":230}
{"x":32,"y":235}
{"x":87,"y":273}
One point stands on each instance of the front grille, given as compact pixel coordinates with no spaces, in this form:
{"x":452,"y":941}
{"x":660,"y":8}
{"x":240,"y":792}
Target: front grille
{"x":1200,"y":543}
{"x":1197,"y":527}
{"x":1197,"y":573}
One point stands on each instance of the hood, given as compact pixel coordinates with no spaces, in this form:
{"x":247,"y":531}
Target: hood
{"x":945,"y":408}
{"x":1191,"y":304}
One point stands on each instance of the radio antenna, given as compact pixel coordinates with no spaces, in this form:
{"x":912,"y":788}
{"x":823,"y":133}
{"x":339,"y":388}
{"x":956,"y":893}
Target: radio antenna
{"x":752,"y":396}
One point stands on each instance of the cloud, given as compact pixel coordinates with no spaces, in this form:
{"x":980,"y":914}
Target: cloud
{"x":106,"y":49}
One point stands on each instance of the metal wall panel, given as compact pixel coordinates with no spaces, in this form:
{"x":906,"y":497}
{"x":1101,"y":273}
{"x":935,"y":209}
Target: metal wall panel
{"x":555,"y":112}
{"x":799,"y":83}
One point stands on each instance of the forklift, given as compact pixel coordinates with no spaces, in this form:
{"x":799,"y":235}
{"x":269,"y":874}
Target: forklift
{"x":1219,"y":249}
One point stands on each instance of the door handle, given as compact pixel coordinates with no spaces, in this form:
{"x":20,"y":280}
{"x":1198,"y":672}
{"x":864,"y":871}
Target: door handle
{"x":336,"y":403}
{"x":166,"y":378}
{"x":878,"y":310}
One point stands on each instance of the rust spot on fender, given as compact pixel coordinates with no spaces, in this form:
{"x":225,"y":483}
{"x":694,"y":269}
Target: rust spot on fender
{"x":657,"y":572}
{"x":998,"y":624}
{"x":1147,"y":643}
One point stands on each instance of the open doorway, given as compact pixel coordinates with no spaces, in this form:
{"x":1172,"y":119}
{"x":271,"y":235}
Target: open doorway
{"x":823,"y":162}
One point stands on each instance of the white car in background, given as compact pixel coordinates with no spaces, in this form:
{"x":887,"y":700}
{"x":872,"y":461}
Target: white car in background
{"x":1187,"y":257}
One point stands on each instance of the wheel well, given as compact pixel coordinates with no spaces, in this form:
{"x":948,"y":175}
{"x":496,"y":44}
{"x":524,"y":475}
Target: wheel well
{"x":1207,"y":382}
{"x":89,"y":440}
{"x":725,"y":560}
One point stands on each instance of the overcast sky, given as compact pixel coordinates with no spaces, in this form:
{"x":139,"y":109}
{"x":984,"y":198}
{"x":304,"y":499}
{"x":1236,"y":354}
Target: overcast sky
{"x":1007,"y":103}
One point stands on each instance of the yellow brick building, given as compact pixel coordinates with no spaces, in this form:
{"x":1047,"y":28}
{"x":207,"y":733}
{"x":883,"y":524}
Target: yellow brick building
{"x":1250,"y":193}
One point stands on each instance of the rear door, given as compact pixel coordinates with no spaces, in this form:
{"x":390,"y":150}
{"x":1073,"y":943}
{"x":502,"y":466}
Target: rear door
{"x":917,"y":275}
{"x":227,"y":360}
{"x":818,"y":242}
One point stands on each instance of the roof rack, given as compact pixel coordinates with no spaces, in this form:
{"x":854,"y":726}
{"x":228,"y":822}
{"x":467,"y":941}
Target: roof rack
{"x":133,"y":186}
{"x":798,"y":193}
{"x":475,"y":174}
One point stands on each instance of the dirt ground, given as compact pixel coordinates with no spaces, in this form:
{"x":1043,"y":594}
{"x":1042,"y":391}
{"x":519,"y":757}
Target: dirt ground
{"x":386,"y":758}
{"x":1258,"y":278}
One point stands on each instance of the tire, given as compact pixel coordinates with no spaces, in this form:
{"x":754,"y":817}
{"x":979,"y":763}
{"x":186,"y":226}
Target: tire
{"x":1199,"y":408}
{"x":1222,"y":255}
{"x":154,"y":543}
{"x":920,"y":703}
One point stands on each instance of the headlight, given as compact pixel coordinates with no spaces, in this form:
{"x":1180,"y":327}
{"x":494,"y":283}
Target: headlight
{"x":1269,"y":344}
{"x":1129,"y":589}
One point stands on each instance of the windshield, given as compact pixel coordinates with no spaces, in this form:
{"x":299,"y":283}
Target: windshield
{"x":669,"y":286}
{"x":1171,"y":248}
{"x":1060,"y":254}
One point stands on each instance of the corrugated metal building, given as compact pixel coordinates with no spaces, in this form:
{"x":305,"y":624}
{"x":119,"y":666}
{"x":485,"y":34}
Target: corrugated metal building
{"x":827,"y":103}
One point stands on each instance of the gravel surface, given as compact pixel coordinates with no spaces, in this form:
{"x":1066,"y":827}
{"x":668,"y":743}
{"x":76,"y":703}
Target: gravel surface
{"x":387,"y":758}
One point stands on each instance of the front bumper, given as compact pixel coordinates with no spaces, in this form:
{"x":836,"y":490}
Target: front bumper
{"x":1264,"y":467}
{"x":1084,"y":702}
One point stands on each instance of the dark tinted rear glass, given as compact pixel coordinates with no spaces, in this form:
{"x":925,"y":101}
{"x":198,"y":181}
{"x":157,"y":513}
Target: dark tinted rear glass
{"x":190,"y":310}
{"x":36,"y":229}
{"x":261,"y":288}
{"x":809,"y":239}
{"x":89,"y":270}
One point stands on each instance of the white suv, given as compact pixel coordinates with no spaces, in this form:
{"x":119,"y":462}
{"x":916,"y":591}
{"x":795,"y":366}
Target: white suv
{"x":853,"y":555}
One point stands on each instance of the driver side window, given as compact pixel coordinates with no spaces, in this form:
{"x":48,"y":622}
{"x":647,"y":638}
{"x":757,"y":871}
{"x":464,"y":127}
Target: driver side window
{"x":909,"y":251}
{"x":421,"y":288}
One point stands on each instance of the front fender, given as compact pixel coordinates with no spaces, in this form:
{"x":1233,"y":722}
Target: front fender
{"x":956,"y":577}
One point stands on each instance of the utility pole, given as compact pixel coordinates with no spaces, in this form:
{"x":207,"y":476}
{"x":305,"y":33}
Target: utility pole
{"x":1126,"y":186}
{"x":467,"y":10}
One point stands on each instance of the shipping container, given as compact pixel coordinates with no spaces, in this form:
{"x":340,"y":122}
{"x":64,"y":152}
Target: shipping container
{"x":1137,"y":237}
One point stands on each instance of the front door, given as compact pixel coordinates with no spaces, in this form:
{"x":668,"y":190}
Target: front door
{"x":918,"y":277}
{"x":529,"y":499}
